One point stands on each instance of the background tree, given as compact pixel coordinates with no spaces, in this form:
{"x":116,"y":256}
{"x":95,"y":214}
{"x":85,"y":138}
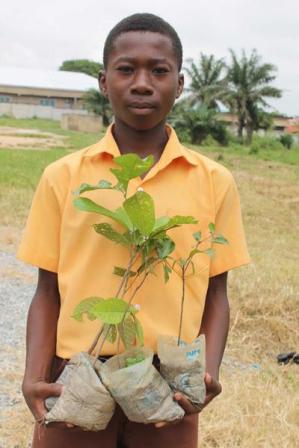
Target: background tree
{"x":208,"y":81}
{"x":98,"y":104}
{"x":248,"y":85}
{"x":87,"y":66}
{"x":196,"y":123}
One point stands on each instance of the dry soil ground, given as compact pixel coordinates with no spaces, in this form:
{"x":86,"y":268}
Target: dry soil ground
{"x":259,"y":406}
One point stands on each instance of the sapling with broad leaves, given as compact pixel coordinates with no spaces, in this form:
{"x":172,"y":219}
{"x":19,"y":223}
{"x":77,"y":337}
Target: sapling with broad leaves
{"x":148,"y":244}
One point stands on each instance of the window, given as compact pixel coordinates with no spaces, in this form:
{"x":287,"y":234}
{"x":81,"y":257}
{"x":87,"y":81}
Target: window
{"x":4,"y":99}
{"x":68,"y":102}
{"x":47,"y":102}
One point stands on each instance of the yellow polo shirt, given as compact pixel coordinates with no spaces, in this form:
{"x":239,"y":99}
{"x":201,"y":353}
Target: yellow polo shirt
{"x":60,"y":238}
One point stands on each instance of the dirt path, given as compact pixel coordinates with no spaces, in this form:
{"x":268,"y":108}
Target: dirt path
{"x":16,"y":138}
{"x":17,"y":284}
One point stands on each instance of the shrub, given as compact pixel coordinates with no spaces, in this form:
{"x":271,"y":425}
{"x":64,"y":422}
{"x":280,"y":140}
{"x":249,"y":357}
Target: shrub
{"x":287,"y":140}
{"x":267,"y":142}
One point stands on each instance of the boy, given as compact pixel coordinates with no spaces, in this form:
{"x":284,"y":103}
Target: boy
{"x":142,"y":79}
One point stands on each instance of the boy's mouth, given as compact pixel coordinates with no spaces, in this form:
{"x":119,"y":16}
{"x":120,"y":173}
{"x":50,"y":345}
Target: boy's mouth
{"x":141,"y":105}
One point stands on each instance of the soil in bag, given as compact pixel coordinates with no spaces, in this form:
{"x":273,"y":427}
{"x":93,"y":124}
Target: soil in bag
{"x":183,"y":366}
{"x":84,"y":402}
{"x":139,"y":389}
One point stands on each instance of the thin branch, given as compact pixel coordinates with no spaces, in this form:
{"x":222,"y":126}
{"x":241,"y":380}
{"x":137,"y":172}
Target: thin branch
{"x":182,"y":305}
{"x":98,"y":351}
{"x":96,"y":340}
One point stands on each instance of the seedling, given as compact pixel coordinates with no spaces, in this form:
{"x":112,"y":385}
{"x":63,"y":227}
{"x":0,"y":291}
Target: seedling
{"x":148,"y":245}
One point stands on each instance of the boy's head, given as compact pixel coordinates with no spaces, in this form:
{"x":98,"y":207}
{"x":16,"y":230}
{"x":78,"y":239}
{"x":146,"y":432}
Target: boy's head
{"x":144,"y":22}
{"x":141,"y":78}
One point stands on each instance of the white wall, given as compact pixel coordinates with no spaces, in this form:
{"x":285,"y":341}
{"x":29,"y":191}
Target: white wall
{"x":30,"y":111}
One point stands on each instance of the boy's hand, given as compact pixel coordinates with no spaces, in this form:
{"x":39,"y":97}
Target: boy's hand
{"x":35,"y":394}
{"x":213,"y":388}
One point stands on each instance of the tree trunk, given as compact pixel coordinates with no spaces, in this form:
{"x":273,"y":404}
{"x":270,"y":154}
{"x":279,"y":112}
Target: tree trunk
{"x":105,"y":120}
{"x":249,"y":133}
{"x":240,"y":127}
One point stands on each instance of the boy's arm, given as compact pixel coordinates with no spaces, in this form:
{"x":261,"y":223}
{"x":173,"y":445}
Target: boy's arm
{"x":41,"y":343}
{"x":215,"y":323}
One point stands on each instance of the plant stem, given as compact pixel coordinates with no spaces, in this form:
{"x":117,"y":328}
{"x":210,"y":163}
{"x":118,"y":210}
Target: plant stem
{"x":96,"y":340}
{"x":124,"y":280}
{"x":98,"y":351}
{"x":129,"y":303}
{"x":182,"y":305}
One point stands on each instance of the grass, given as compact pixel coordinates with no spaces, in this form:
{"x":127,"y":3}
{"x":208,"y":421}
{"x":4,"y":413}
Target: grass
{"x":259,"y":406}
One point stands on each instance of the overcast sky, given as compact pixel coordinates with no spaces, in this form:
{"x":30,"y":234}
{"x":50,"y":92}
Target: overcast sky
{"x":43,"y":33}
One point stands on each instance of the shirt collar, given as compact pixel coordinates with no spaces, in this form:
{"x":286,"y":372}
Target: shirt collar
{"x":173,"y":149}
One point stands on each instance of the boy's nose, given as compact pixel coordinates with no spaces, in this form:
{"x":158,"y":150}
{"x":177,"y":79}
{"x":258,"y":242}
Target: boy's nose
{"x":141,"y":84}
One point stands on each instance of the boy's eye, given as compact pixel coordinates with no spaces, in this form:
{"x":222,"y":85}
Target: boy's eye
{"x":160,"y":70}
{"x":125,"y":69}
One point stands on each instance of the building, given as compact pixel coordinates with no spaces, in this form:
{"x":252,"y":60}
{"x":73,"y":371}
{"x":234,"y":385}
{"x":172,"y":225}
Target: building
{"x":27,"y":93}
{"x":281,"y":124}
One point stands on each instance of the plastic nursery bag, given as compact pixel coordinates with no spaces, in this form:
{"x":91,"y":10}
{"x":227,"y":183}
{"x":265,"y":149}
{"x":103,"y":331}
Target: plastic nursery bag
{"x":139,"y":389}
{"x":84,"y":402}
{"x":183,"y":367}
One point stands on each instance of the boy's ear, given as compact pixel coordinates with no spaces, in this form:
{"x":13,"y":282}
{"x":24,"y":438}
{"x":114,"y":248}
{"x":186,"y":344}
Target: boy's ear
{"x":180,"y":85}
{"x":102,"y":82}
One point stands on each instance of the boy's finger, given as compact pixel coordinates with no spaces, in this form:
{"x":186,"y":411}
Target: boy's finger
{"x":185,"y":403}
{"x":161,"y":424}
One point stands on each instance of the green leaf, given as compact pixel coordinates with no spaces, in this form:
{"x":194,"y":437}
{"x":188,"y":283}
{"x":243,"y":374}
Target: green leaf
{"x":109,"y":232}
{"x":103,"y":184}
{"x":110,"y":311}
{"x":141,"y":211}
{"x":197,"y":236}
{"x":210,"y":252}
{"x":167,"y":271}
{"x":193,"y":268}
{"x":175,"y":221}
{"x":161,"y":222}
{"x":86,"y":306}
{"x":193,"y":252}
{"x":182,"y":262}
{"x":165,"y":247}
{"x":87,"y":205}
{"x":131,"y":166}
{"x":127,"y":332}
{"x":112,"y":332}
{"x":139,"y":331}
{"x":219,"y":239}
{"x":132,"y":360}
{"x":212,"y":227}
{"x":121,"y":214}
{"x":121,"y":272}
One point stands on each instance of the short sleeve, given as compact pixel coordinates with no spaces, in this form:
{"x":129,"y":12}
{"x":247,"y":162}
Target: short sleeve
{"x":41,"y":239}
{"x":228,"y":222}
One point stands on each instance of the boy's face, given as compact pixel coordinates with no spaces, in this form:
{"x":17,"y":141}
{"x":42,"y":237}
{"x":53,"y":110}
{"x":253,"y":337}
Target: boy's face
{"x":141,"y":79}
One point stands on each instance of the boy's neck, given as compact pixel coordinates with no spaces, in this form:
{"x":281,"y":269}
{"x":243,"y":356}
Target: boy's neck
{"x":142,"y":143}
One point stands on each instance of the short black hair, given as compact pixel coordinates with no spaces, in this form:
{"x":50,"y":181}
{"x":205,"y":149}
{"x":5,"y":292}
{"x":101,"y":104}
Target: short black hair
{"x":144,"y":22}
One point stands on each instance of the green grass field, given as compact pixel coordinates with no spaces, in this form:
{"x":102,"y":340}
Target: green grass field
{"x":259,"y":406}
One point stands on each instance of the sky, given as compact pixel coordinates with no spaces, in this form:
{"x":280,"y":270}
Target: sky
{"x":42,"y":34}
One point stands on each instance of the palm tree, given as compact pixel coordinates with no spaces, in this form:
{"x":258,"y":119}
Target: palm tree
{"x":197,"y":122}
{"x":98,"y":104}
{"x":208,"y":82}
{"x":248,"y":85}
